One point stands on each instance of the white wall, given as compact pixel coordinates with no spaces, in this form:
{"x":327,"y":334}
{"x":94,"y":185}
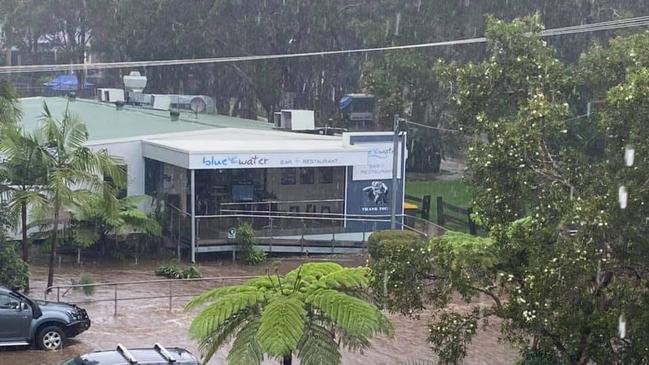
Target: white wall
{"x":131,"y":153}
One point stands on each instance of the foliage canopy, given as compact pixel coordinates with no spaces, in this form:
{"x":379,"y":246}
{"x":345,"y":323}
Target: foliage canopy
{"x":309,"y":312}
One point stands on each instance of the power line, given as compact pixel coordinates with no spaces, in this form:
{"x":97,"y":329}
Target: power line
{"x":584,"y":28}
{"x":460,"y":130}
{"x":431,"y":127}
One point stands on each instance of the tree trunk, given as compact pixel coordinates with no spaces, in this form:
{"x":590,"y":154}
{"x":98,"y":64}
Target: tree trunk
{"x":23,"y":220}
{"x":287,"y":360}
{"x":50,"y":273}
{"x":25,"y":243}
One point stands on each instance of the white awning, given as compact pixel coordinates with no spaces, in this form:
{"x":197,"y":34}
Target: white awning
{"x":231,"y":148}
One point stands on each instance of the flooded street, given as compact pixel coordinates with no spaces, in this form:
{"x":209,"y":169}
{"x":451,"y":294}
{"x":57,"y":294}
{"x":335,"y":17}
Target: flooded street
{"x":145,"y":321}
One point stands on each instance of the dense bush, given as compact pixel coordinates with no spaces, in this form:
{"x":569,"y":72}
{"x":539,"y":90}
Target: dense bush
{"x":398,"y":257}
{"x":249,"y":253}
{"x":174,"y":272}
{"x":13,"y":270}
{"x":89,"y":280}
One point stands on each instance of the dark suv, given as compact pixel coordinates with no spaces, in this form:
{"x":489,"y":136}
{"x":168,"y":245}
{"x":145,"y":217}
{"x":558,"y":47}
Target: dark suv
{"x":158,"y":355}
{"x":24,"y":321}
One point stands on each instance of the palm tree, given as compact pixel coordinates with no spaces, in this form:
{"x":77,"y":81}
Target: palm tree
{"x":99,"y":219}
{"x":10,"y":112}
{"x":309,"y":312}
{"x":22,"y":176}
{"x":72,"y":171}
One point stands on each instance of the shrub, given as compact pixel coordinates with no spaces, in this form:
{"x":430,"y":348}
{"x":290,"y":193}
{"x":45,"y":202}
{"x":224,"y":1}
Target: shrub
{"x":13,"y":270}
{"x":249,"y":253}
{"x":532,"y":357}
{"x":398,"y":257}
{"x":89,"y":280}
{"x":174,"y":272}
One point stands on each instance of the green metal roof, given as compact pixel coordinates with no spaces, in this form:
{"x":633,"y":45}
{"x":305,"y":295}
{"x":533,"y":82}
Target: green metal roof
{"x":104,"y":121}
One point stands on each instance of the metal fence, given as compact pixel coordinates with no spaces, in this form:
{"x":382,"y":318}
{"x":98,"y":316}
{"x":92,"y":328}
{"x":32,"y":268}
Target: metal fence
{"x":167,"y":289}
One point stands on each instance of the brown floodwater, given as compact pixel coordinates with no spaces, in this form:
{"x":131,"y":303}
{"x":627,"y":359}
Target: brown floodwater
{"x":143,"y":322}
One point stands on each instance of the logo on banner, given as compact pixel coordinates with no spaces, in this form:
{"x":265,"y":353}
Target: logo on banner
{"x":253,"y":160}
{"x":377,"y":192}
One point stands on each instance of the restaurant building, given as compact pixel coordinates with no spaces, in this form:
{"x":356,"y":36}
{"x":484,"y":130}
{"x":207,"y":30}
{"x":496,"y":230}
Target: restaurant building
{"x":301,"y":191}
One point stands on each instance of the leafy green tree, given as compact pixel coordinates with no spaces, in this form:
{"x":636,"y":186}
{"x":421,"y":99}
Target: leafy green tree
{"x":24,"y":175}
{"x":100,"y":219}
{"x":309,"y":312}
{"x":13,"y":270}
{"x":565,"y":260}
{"x":73,"y":170}
{"x":250,"y":254}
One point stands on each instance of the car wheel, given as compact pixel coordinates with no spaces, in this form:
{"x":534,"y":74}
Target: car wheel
{"x":51,"y":338}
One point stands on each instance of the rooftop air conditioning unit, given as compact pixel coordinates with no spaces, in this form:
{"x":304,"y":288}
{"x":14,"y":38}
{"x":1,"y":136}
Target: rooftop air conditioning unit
{"x":109,"y":95}
{"x":134,"y":81}
{"x":296,"y":120}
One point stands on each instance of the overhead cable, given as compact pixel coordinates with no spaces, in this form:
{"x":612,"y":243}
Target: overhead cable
{"x":584,"y":28}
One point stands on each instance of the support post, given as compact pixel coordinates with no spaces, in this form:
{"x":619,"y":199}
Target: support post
{"x":178,"y":240}
{"x":395,"y":168}
{"x":440,"y":211}
{"x":425,"y":207}
{"x":472,"y":227}
{"x":115,"y":301}
{"x":170,"y":294}
{"x":193,"y":195}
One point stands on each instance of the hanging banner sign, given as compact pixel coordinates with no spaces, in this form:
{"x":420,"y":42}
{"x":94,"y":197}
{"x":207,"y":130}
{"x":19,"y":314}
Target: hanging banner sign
{"x":379,"y":162}
{"x":273,"y":160}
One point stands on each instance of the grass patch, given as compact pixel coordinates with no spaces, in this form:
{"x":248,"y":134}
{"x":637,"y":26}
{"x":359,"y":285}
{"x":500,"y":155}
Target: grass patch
{"x":455,"y":192}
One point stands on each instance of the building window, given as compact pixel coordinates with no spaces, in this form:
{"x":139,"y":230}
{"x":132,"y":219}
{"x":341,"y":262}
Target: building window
{"x":123,"y":191}
{"x":307,"y":175}
{"x":289,"y":176}
{"x":153,"y":175}
{"x":326,"y":175}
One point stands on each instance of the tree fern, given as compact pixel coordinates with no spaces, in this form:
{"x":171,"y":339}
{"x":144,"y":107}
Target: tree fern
{"x":318,"y":347}
{"x":220,"y":311}
{"x":245,"y":348}
{"x":218,"y":293}
{"x":282,"y":326}
{"x":355,"y":316}
{"x":222,"y":334}
{"x":309,"y":312}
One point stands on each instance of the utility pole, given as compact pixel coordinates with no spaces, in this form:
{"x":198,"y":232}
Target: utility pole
{"x":395,"y":169}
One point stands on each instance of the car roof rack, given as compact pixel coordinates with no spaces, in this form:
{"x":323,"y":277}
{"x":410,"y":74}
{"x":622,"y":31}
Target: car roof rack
{"x":164,"y":353}
{"x":126,"y":354}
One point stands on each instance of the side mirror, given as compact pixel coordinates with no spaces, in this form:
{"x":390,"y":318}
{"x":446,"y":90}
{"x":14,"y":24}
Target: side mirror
{"x":23,"y":306}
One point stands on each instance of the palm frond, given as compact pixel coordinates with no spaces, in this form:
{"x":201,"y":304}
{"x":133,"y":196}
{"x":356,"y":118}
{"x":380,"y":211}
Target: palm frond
{"x":352,"y":278}
{"x":355,"y":316}
{"x":318,"y":347}
{"x":220,"y":311}
{"x":209,"y":345}
{"x":282,"y":325}
{"x":85,"y":235}
{"x":215,"y":294}
{"x":313,"y":271}
{"x":245,"y":348}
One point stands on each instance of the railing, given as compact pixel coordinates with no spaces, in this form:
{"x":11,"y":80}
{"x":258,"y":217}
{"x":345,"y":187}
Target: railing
{"x":449,"y":214}
{"x":423,"y":203}
{"x":178,"y":228}
{"x":167,"y":286}
{"x":287,"y":225}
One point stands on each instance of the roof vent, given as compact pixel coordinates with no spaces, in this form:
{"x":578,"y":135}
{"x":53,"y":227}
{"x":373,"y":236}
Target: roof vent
{"x":134,"y":81}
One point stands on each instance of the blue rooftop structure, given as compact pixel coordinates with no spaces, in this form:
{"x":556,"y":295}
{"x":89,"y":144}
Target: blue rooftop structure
{"x":66,"y":83}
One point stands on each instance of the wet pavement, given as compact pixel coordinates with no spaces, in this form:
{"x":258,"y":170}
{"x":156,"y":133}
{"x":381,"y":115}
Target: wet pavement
{"x":143,"y":322}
